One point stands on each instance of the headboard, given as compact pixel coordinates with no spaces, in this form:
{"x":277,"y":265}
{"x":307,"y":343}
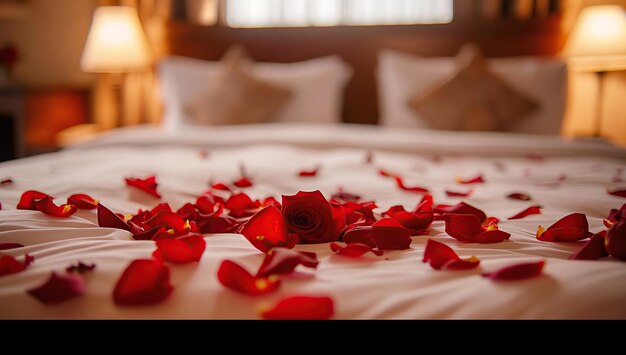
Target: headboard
{"x":359,"y":46}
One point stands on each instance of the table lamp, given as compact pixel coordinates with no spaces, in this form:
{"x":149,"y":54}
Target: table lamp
{"x":598,"y":44}
{"x":116,"y":45}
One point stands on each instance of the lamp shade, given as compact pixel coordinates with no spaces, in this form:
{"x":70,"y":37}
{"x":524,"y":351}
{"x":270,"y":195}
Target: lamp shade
{"x":116,"y":42}
{"x":598,"y":40}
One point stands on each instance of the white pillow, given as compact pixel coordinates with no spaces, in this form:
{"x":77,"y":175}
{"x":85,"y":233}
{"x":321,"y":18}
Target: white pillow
{"x":316,"y":85}
{"x":402,"y":75}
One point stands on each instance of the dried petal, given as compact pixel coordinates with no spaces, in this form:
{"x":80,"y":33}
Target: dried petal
{"x":108,"y":219}
{"x":8,"y":246}
{"x":301,"y":308}
{"x":442,"y":257}
{"x":467,"y":228}
{"x":83,"y":202}
{"x":181,"y":250}
{"x":267,"y":230}
{"x":48,"y":207}
{"x":143,"y":282}
{"x":29,"y":199}
{"x":617,"y":192}
{"x":280,"y":261}
{"x":80,"y":268}
{"x":519,"y":196}
{"x":309,"y":173}
{"x":386,"y":234}
{"x":354,"y":250}
{"x":461,"y":208}
{"x":616,"y":238}
{"x":594,"y":249}
{"x":517,"y":272}
{"x":243,"y":182}
{"x":6,"y":182}
{"x":241,"y":205}
{"x":231,"y":275}
{"x":570,"y":228}
{"x":59,"y":288}
{"x":220,"y":186}
{"x":527,"y":212}
{"x":459,"y":194}
{"x":9,"y":265}
{"x":476,"y":180}
{"x":416,"y":189}
{"x":147,"y":185}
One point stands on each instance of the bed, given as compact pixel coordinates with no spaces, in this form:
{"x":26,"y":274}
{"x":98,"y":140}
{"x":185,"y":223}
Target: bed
{"x":562,"y":176}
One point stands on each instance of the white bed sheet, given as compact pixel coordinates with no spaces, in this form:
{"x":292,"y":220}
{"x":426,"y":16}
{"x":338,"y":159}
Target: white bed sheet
{"x":397,"y":285}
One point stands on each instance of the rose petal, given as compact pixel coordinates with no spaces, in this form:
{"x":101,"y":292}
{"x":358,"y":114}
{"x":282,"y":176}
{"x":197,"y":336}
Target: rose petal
{"x":267,"y":230}
{"x":80,"y":268}
{"x":416,"y":189}
{"x":353,"y":250}
{"x":9,"y":265}
{"x":369,"y":157}
{"x":461,"y":208}
{"x":8,"y":246}
{"x":386,"y":173}
{"x":231,"y":275}
{"x":476,"y":180}
{"x":617,"y":192}
{"x":144,"y":282}
{"x":83,"y":202}
{"x":309,"y":173}
{"x":241,"y":205}
{"x":467,"y":228}
{"x":517,"y":272}
{"x":59,"y":288}
{"x":519,"y":196}
{"x":280,"y":261}
{"x":181,"y":250}
{"x":108,"y":219}
{"x":243,"y":182}
{"x":616,"y":238}
{"x":594,"y":249}
{"x":387,"y":234}
{"x":29,"y":199}
{"x":301,"y":308}
{"x":6,"y":182}
{"x":417,"y":222}
{"x":459,"y":194}
{"x":147,"y":185}
{"x":441,"y":256}
{"x":527,"y":212}
{"x":570,"y":228}
{"x":220,"y":186}
{"x":344,"y":197}
{"x":216,"y":225}
{"x":48,"y":207}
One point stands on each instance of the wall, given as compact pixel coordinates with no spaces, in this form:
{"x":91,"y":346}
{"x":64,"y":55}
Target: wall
{"x":51,"y":40}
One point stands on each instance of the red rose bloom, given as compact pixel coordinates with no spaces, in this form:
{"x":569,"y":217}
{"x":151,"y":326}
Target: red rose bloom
{"x":313,"y":218}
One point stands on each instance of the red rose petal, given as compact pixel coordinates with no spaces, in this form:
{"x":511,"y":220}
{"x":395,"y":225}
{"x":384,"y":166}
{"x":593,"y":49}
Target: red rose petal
{"x":527,"y":212}
{"x":243,"y":182}
{"x":280,"y":261}
{"x":417,"y":222}
{"x":181,"y":250}
{"x":519,"y":196}
{"x":476,"y":180}
{"x":143,"y":282}
{"x":441,"y":256}
{"x":594,"y":249}
{"x":48,"y":207}
{"x":386,"y":173}
{"x":9,"y":265}
{"x":147,"y":185}
{"x":386,"y":234}
{"x":517,"y":272}
{"x":241,"y":205}
{"x":59,"y":288}
{"x":219,"y":225}
{"x":461,"y":208}
{"x":467,"y":228}
{"x":108,"y":219}
{"x":220,"y":186}
{"x":83,"y":202}
{"x":616,"y":237}
{"x":459,"y":194}
{"x":617,"y":192}
{"x":416,"y":189}
{"x":80,"y":268}
{"x":354,"y":250}
{"x":309,"y":173}
{"x":267,"y":230}
{"x":231,"y":275}
{"x":6,"y":182}
{"x":271,"y":201}
{"x":301,"y":308}
{"x":8,"y":246}
{"x":29,"y":199}
{"x":570,"y":228}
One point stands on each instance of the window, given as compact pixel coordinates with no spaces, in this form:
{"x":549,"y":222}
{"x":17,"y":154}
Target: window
{"x":304,"y":13}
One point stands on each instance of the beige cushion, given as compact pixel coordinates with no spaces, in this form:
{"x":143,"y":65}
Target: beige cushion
{"x":240,"y":97}
{"x":472,"y":99}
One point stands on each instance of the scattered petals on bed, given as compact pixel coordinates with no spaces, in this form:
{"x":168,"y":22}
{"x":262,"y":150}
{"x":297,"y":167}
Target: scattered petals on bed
{"x":460,"y":208}
{"x":267,"y":230}
{"x":354,"y":250}
{"x":467,"y":228}
{"x":59,"y":288}
{"x":181,"y":250}
{"x":386,"y":234}
{"x":475,"y":180}
{"x":417,"y":222}
{"x":570,"y":228}
{"x":9,"y":265}
{"x":29,"y":199}
{"x":9,"y":246}
{"x":6,"y":182}
{"x":233,"y":276}
{"x":144,"y":282}
{"x":593,"y":249}
{"x":147,"y":185}
{"x":48,"y":207}
{"x":309,"y":173}
{"x":83,"y":202}
{"x":416,"y":189}
{"x":80,"y":268}
{"x":301,"y":308}
{"x":467,"y":193}
{"x":442,"y":257}
{"x":517,"y":272}
{"x":108,"y":219}
{"x":527,"y":212}
{"x":279,"y":261}
{"x":519,"y":196}
{"x":617,"y":192}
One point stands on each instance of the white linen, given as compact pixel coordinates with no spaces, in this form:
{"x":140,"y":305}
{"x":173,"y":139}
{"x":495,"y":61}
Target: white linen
{"x":402,"y":75}
{"x":397,"y":285}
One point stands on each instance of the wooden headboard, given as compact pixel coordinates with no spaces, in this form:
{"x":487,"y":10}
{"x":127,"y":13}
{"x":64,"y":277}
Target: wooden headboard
{"x":359,"y":46}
